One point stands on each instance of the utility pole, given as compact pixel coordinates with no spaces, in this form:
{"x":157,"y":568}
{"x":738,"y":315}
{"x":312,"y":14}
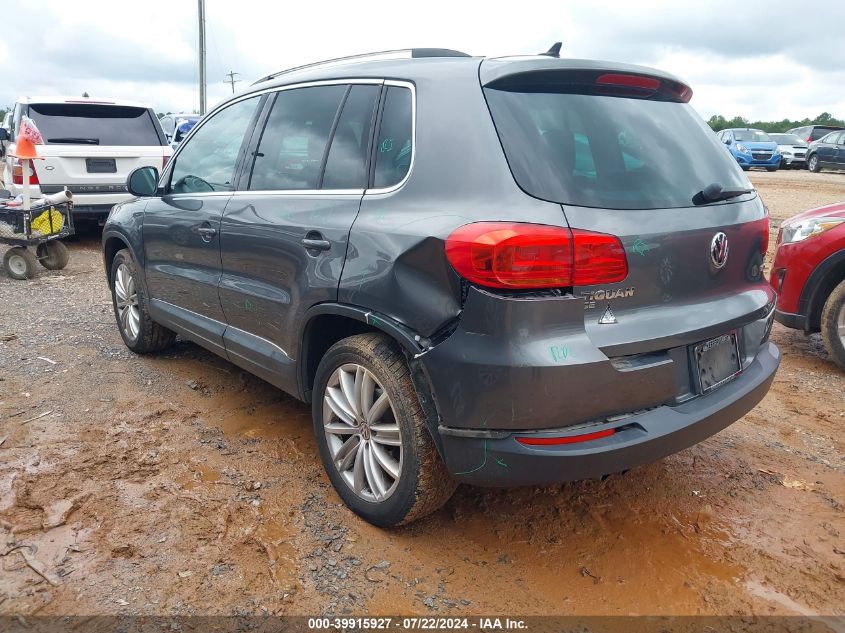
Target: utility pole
{"x":231,"y":79}
{"x":201,"y":16}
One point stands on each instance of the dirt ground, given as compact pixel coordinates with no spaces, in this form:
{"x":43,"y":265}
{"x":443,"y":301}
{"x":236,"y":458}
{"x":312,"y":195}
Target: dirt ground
{"x":179,"y":485}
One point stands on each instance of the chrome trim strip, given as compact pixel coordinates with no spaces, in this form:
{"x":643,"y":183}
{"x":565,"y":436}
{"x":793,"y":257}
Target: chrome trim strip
{"x":226,"y":327}
{"x":255,"y":336}
{"x":305,"y":84}
{"x":299,"y":192}
{"x":413,"y":89}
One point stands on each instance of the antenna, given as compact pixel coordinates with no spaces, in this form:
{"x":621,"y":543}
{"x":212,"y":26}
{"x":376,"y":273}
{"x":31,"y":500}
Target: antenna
{"x":554,"y":51}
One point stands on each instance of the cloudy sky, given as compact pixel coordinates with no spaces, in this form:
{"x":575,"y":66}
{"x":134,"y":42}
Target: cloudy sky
{"x":761,"y":60}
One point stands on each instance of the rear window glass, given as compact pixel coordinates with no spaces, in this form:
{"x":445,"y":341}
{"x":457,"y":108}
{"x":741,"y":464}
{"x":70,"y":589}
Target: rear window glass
{"x":821,"y":132}
{"x":94,"y":124}
{"x":607,"y":151}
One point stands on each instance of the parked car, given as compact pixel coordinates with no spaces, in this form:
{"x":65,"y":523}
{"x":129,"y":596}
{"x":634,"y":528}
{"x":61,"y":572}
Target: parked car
{"x":506,"y":271}
{"x":793,"y":151}
{"x":90,"y":147}
{"x":812,"y":133}
{"x":751,"y":148}
{"x":828,"y":151}
{"x":176,"y":126}
{"x":809,"y":275}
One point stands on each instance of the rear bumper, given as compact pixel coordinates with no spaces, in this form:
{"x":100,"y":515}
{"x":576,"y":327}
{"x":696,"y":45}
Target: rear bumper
{"x":794,"y":321}
{"x":91,"y":211}
{"x":496,"y":458}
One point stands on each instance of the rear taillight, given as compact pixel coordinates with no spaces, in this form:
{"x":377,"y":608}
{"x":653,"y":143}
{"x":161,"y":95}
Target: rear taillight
{"x":809,"y":139}
{"x":518,"y":255}
{"x":764,"y":247}
{"x":164,"y":160}
{"x":17,"y":173}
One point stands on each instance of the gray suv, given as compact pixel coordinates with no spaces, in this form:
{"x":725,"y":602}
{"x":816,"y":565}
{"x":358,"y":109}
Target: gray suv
{"x":501,"y":272}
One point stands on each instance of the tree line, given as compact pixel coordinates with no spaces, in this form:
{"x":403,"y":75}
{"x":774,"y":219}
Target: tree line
{"x":718,"y":122}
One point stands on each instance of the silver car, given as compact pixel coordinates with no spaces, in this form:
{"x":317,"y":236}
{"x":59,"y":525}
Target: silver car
{"x":792,"y":149}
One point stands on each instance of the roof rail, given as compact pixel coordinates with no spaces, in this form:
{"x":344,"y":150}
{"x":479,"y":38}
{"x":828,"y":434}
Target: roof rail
{"x":406,"y":53}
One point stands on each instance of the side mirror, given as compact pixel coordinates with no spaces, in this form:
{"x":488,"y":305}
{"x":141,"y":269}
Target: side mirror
{"x":4,"y":134}
{"x":143,"y":182}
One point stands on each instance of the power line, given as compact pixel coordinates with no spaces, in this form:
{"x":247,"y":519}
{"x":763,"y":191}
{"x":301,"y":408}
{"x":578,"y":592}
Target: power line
{"x":231,"y":79}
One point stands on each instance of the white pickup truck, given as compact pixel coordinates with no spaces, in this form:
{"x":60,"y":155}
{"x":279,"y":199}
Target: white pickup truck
{"x":90,"y":147}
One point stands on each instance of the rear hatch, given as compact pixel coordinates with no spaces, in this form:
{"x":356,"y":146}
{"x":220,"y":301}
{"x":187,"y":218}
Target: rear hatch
{"x":92,"y":147}
{"x":624,"y":154}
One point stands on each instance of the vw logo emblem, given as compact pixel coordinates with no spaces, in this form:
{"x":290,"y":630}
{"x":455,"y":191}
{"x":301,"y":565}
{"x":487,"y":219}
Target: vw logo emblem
{"x":719,"y":250}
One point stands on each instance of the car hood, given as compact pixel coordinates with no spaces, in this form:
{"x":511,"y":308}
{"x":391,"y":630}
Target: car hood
{"x":836,"y":210}
{"x":752,"y":145}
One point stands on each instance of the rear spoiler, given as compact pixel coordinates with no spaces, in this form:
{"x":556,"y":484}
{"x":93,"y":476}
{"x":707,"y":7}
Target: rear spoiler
{"x":582,"y":77}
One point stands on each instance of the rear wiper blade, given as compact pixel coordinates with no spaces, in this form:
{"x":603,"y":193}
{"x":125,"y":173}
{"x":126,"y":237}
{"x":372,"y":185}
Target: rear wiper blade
{"x":714,"y":192}
{"x":73,"y":139}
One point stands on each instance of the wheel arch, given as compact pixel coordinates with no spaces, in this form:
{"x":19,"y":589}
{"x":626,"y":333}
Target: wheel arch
{"x":827,"y":275}
{"x":328,"y":323}
{"x":112,"y":243}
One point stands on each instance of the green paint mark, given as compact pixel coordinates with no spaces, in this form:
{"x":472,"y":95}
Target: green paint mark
{"x":249,"y":306}
{"x":501,"y":463}
{"x":559,"y":353}
{"x":386,"y":145}
{"x":640,"y":247}
{"x":482,"y":465}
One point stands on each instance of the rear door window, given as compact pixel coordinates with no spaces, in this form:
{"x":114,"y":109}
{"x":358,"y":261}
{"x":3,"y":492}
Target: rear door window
{"x":207,"y":161}
{"x":94,"y":124}
{"x":346,"y":166}
{"x":608,"y":151}
{"x":293,"y":144}
{"x":394,"y":143}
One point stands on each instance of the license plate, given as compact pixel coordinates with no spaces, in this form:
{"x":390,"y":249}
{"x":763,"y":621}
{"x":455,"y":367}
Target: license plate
{"x":100,"y":165}
{"x":717,"y":361}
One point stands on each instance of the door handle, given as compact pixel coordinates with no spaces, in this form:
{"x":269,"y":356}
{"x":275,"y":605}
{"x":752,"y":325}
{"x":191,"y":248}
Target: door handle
{"x":206,"y":232}
{"x":314,"y":240}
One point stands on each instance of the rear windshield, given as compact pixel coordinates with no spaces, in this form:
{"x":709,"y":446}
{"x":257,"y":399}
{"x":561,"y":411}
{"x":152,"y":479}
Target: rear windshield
{"x":607,"y":151}
{"x":752,"y":136}
{"x":819,"y":132}
{"x":90,"y":124}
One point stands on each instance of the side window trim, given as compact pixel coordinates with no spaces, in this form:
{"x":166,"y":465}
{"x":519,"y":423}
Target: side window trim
{"x":245,"y":174}
{"x":410,"y":86}
{"x":246,"y":163}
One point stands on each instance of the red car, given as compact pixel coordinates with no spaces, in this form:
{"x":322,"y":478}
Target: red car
{"x":809,"y":275}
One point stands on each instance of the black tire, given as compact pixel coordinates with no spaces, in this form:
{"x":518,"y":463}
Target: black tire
{"x":771,"y":168}
{"x":833,"y":317}
{"x":814,"y":164}
{"x":150,"y":336}
{"x":53,"y":255}
{"x":20,"y":263}
{"x":745,"y":168}
{"x":424,"y":484}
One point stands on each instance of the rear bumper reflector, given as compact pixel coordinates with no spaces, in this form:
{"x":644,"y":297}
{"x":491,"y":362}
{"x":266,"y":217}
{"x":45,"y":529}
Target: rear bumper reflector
{"x":571,"y":439}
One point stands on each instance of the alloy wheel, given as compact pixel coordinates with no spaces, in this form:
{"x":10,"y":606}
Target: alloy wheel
{"x":362,"y":433}
{"x":126,"y":301}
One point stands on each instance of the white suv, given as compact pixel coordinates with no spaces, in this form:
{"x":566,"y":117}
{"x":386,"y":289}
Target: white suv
{"x":90,"y":147}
